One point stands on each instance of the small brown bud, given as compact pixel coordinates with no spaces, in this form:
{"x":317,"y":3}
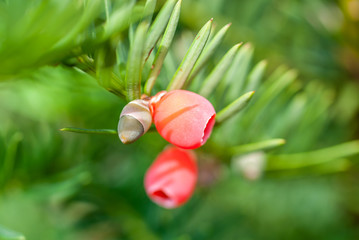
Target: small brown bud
{"x":135,"y":120}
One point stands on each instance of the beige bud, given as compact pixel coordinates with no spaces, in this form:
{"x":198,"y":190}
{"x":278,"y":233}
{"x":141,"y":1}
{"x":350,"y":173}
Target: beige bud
{"x":251,"y":165}
{"x":135,"y":120}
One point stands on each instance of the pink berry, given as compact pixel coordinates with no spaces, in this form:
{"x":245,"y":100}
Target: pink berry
{"x":183,"y":118}
{"x":172,"y":177}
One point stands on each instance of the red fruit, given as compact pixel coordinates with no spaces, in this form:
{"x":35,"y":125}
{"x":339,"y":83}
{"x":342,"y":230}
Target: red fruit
{"x":183,"y":118}
{"x":172,"y":177}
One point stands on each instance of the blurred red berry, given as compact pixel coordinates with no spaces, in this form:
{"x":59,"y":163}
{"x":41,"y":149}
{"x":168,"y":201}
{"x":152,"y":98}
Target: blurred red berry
{"x":183,"y":118}
{"x":172,"y":177}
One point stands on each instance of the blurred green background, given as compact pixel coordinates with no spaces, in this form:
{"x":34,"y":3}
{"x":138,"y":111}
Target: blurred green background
{"x":59,"y":185}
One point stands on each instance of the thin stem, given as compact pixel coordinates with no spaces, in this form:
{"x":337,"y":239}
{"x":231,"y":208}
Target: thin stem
{"x":89,"y":131}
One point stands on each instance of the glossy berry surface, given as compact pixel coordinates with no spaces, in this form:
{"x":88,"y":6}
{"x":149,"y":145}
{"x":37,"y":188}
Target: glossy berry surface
{"x":172,"y":177}
{"x":183,"y":118}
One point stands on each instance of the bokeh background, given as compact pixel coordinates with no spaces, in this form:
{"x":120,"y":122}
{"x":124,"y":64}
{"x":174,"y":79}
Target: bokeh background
{"x":60,"y":185}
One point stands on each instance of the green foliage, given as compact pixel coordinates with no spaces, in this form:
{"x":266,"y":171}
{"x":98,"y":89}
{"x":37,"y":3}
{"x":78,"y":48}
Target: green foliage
{"x":163,"y":48}
{"x":180,"y":77}
{"x":59,"y":185}
{"x":6,"y":234}
{"x":211,"y":82}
